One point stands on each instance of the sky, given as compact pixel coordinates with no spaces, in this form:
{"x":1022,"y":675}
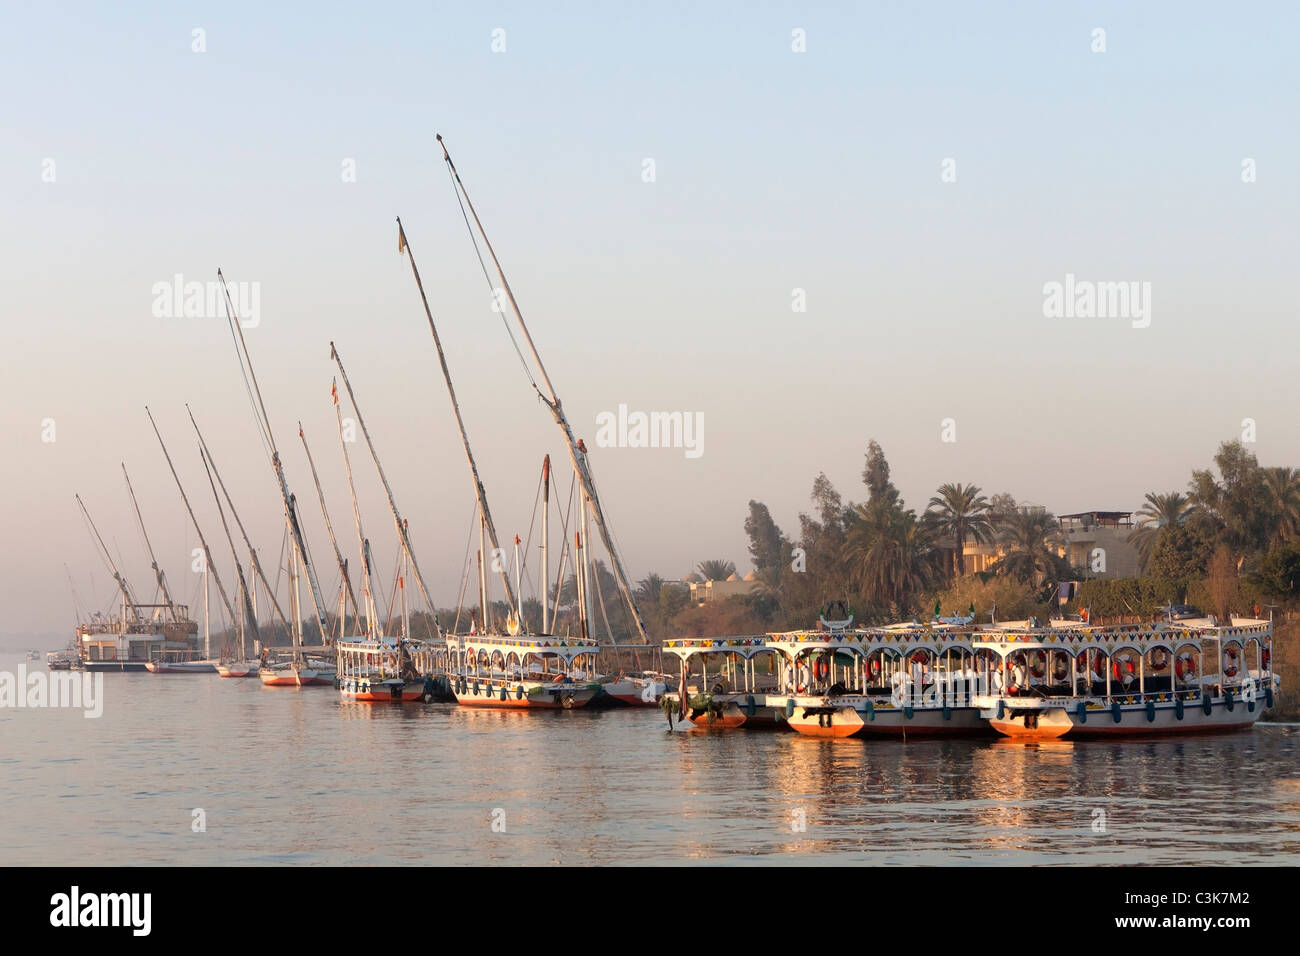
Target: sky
{"x":810,"y":225}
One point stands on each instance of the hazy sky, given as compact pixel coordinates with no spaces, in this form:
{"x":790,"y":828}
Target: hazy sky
{"x":774,"y":170}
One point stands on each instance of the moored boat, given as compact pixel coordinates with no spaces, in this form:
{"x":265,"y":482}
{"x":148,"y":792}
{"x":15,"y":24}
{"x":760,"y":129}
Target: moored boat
{"x":173,"y":666}
{"x":522,"y":673}
{"x":902,"y":680}
{"x":734,"y":695}
{"x":382,"y":670}
{"x":1175,"y":677}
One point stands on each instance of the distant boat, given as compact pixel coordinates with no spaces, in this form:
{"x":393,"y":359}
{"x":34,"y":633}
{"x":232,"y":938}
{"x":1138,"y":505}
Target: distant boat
{"x":140,"y":632}
{"x":33,"y":655}
{"x":162,"y":666}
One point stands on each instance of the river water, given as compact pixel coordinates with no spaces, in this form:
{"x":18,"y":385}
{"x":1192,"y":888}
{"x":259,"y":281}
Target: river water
{"x":285,"y":775}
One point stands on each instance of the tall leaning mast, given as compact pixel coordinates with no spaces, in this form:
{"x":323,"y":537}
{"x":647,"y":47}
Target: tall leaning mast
{"x":577,"y":451}
{"x":290,"y":502}
{"x":480,"y":494}
{"x":403,"y":533}
{"x":153,"y":561}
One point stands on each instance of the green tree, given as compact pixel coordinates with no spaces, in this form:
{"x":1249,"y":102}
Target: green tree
{"x":1238,"y":500}
{"x":1182,"y":551}
{"x":893,"y":556}
{"x":768,"y":547}
{"x":1159,"y":512}
{"x":1278,"y":574}
{"x":1031,"y":537}
{"x":1283,"y":486}
{"x":961,"y":512}
{"x":717,"y":569}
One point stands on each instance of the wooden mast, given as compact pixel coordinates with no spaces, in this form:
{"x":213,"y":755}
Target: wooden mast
{"x":577,"y":451}
{"x":402,"y":534}
{"x":367,"y":578}
{"x":248,"y":617}
{"x":546,"y":540}
{"x":338,"y":555}
{"x":290,"y":503}
{"x":153,"y":562}
{"x":128,"y":599}
{"x":253,"y":559}
{"x":207,"y":552}
{"x":479,"y":492}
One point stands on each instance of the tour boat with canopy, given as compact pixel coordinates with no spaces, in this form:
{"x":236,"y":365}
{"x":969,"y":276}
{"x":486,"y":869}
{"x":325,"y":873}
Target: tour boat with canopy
{"x":730,"y":689}
{"x":523,"y":673}
{"x":1070,"y":679}
{"x":896,"y":681}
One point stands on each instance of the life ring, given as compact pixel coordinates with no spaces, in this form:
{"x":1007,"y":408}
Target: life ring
{"x":558,"y":679}
{"x":821,"y":669}
{"x":1060,"y":670}
{"x":1159,"y":660}
{"x":1122,"y":667}
{"x":1185,"y":667}
{"x":875,"y":667}
{"x":1038,"y":664}
{"x":1099,"y":665}
{"x":1266,"y":659}
{"x":1230,"y":659}
{"x":918,"y":657}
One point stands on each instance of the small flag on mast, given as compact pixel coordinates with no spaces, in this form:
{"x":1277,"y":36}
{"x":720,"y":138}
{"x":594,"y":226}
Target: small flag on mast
{"x":401,"y":239}
{"x":334,"y":392}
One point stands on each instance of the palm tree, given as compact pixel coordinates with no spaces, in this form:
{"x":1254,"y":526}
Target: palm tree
{"x":647,"y":593}
{"x":962,"y":512}
{"x":892,"y":556}
{"x":1159,"y":512}
{"x":717,"y":569}
{"x":1031,"y":537}
{"x":1283,"y":486}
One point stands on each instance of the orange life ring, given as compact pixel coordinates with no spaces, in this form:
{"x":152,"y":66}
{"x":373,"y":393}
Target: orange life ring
{"x":1230,"y":658}
{"x":875,"y":667}
{"x":1160,"y":662}
{"x":919,"y":657}
{"x":821,"y":669}
{"x":1185,"y":667}
{"x":1061,"y":670}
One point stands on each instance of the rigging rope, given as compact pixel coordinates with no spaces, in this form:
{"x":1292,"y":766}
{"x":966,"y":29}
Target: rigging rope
{"x":464,"y":581}
{"x":483,"y":265}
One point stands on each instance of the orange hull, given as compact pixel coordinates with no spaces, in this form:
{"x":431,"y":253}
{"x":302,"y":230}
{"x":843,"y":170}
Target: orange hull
{"x":511,"y":704}
{"x":408,"y":695}
{"x":719,"y":721}
{"x":834,"y":731}
{"x":1019,"y":731}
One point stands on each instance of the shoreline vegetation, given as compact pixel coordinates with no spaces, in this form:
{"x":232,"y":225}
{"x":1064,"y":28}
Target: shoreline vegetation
{"x":1229,"y":545}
